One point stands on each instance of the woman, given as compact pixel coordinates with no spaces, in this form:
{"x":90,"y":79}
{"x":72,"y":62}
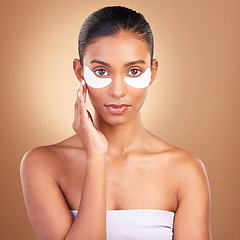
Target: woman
{"x":113,"y":179}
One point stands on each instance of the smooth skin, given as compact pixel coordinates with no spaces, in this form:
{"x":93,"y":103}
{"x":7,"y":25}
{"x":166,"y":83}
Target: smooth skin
{"x":115,"y":163}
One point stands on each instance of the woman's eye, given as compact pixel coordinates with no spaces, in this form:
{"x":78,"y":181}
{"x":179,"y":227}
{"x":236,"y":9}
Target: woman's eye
{"x":135,"y":72}
{"x":101,"y":72}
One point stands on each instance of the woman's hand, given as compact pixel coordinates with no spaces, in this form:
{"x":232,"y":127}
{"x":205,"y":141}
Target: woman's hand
{"x":93,"y":140}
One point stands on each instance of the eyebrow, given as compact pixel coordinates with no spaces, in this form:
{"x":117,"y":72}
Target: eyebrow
{"x":125,"y":65}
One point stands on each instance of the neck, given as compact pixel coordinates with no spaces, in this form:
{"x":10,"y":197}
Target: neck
{"x":122,"y":138}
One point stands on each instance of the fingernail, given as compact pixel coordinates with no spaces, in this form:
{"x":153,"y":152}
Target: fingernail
{"x":78,"y":86}
{"x":79,"y":94}
{"x":83,"y":82}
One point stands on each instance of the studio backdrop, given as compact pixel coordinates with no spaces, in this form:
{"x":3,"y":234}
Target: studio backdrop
{"x":194,"y":102}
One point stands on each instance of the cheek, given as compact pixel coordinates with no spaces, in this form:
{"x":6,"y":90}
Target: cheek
{"x":138,"y":97}
{"x":141,"y":98}
{"x":96,"y":96}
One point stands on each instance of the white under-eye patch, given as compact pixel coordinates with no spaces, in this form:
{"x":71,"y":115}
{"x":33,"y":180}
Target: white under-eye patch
{"x":99,"y":82}
{"x":141,"y":81}
{"x":93,"y":81}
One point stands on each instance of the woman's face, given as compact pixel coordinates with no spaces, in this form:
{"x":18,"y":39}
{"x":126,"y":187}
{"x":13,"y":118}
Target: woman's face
{"x":117,"y":57}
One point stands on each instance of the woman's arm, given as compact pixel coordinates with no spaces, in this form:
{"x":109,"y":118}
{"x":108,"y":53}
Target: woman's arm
{"x":192,"y":218}
{"x":48,"y":211}
{"x":90,"y":222}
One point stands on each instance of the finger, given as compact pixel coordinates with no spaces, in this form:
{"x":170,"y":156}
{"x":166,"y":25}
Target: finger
{"x":76,"y":121}
{"x":76,"y":110}
{"x":84,"y":90}
{"x":82,"y":111}
{"x":81,"y":89}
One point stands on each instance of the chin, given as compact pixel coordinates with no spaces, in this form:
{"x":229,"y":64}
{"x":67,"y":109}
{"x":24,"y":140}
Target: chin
{"x":116,"y":120}
{"x":112,"y":119}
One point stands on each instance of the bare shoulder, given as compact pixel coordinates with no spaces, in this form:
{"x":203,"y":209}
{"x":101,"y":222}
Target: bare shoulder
{"x":186,"y":168}
{"x":51,"y":159}
{"x":37,"y":158}
{"x":40,"y":156}
{"x":191,"y":178}
{"x":180,"y":160}
{"x":186,"y":162}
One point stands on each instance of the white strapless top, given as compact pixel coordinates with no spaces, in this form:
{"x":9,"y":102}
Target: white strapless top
{"x":139,"y":224}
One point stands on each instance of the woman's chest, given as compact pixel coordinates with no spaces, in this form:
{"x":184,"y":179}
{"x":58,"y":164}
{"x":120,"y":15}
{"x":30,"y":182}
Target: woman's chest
{"x":140,"y":186}
{"x":128,"y":186}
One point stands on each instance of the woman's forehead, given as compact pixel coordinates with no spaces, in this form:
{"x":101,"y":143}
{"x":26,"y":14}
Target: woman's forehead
{"x":123,"y":47}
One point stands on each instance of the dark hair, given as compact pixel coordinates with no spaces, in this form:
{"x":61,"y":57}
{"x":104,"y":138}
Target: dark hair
{"x":109,"y":21}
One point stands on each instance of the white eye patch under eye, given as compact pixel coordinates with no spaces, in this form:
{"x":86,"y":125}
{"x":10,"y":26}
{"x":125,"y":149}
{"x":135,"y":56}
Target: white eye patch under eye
{"x":141,"y":81}
{"x":93,"y":81}
{"x":99,"y":82}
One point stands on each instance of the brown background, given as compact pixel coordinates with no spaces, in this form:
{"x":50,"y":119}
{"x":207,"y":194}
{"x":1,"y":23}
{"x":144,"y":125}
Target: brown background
{"x":193,"y":104}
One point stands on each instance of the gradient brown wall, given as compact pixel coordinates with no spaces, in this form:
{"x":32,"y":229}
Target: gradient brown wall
{"x":193,"y":104}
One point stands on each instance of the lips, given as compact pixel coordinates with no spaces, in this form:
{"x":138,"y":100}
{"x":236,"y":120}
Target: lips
{"x":117,"y":109}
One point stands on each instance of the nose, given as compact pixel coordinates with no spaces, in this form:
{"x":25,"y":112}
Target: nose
{"x":118,"y":87}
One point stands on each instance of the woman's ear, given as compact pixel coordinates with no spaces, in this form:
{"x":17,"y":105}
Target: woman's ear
{"x":78,"y":69}
{"x":154,"y":70}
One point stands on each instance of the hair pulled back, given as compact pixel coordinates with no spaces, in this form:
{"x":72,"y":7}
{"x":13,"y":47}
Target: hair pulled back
{"x":109,"y":21}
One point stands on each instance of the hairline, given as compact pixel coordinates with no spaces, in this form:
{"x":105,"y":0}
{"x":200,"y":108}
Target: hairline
{"x":138,"y":36}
